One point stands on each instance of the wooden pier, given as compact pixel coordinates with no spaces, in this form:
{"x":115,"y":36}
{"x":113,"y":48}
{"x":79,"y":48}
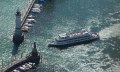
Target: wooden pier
{"x":26,"y":13}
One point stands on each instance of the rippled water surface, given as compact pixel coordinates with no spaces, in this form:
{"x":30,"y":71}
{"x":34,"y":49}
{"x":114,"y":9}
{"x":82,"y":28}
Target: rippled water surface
{"x":61,"y":16}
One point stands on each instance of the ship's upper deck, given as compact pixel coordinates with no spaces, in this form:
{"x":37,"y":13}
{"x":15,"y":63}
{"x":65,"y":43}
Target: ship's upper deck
{"x":82,"y":33}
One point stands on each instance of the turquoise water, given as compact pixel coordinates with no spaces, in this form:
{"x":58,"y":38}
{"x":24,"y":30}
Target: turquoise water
{"x":7,"y":24}
{"x":61,"y":16}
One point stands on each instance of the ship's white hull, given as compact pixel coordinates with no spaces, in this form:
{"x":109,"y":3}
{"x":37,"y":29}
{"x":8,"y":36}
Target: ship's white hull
{"x":72,"y":43}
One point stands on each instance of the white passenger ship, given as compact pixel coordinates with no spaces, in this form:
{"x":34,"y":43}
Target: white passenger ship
{"x":68,"y":39}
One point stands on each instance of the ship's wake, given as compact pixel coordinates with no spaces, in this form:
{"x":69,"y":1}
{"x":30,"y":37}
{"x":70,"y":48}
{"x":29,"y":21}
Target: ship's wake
{"x":110,"y":32}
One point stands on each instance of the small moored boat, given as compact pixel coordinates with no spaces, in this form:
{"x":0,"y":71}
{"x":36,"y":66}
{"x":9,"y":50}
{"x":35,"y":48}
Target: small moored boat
{"x":28,"y":24}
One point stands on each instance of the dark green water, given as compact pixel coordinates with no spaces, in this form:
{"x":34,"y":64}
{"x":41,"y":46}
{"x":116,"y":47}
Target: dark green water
{"x":61,"y":16}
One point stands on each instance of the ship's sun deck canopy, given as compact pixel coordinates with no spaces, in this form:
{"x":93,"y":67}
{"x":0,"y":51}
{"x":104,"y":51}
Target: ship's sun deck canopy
{"x":62,"y":35}
{"x":76,"y":34}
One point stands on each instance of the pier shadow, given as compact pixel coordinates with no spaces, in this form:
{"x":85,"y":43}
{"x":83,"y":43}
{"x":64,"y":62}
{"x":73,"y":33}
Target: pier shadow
{"x":15,"y":49}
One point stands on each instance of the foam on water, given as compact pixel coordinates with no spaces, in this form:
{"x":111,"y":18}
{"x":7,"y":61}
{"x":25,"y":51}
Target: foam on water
{"x":110,"y":32}
{"x":62,"y":17}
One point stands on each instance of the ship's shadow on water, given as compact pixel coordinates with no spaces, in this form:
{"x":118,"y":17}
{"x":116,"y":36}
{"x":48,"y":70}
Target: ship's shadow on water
{"x":75,"y":44}
{"x":15,"y":49}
